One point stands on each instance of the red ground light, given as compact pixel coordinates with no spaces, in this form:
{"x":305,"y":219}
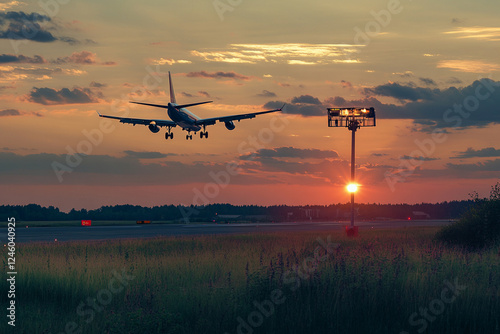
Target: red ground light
{"x":352,"y":231}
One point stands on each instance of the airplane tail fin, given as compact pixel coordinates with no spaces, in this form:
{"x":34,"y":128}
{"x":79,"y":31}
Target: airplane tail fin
{"x":172,"y":94}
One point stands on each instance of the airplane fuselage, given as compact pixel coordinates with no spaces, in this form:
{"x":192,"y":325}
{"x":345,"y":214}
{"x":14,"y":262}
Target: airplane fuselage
{"x":183,"y":117}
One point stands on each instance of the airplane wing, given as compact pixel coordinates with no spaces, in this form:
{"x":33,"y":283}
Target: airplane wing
{"x":142,"y":121}
{"x":213,"y":120}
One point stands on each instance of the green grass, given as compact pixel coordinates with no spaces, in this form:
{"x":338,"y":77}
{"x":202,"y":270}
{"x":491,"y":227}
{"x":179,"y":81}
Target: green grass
{"x":371,"y":284}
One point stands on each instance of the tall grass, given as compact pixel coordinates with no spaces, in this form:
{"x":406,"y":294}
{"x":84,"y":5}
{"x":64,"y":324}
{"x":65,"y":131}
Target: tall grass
{"x":371,"y":284}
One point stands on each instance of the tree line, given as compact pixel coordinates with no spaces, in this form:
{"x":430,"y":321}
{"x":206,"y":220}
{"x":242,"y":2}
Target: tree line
{"x":35,"y":212}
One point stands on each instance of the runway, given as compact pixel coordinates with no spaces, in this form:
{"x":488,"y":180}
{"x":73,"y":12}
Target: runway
{"x":78,"y":233}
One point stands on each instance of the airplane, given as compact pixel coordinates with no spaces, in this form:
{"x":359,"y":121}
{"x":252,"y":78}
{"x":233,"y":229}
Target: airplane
{"x":183,"y":118}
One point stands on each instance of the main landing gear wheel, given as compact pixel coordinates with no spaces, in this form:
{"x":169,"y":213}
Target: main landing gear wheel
{"x":189,"y":137}
{"x":202,"y":133}
{"x":169,"y":135}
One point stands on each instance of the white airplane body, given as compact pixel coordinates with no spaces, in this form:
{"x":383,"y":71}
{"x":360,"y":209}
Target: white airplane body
{"x":183,"y":118}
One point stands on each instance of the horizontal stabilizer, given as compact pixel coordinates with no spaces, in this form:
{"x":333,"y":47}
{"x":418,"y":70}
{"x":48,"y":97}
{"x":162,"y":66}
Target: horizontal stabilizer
{"x":191,"y":104}
{"x":173,"y":105}
{"x":149,"y":104}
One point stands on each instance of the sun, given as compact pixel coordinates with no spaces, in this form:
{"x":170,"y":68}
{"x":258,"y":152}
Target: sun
{"x":352,"y":187}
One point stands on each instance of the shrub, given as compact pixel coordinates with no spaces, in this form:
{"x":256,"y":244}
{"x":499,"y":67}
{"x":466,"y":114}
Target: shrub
{"x":478,"y":227}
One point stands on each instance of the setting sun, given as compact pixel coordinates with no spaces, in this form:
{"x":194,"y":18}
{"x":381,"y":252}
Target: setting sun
{"x":352,"y":187}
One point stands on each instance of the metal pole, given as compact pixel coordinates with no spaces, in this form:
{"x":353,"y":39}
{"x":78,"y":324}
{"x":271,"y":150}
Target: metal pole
{"x":353,"y":164}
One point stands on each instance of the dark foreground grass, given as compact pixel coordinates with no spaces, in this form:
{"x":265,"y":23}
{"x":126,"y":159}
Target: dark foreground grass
{"x":382,"y":282}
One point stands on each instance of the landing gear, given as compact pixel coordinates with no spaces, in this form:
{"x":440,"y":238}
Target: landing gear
{"x":189,"y":137}
{"x":169,"y":134}
{"x":204,"y":133}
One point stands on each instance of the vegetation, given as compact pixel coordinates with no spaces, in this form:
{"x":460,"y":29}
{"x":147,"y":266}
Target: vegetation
{"x":34,"y":212}
{"x":479,"y":226}
{"x":267,"y":283}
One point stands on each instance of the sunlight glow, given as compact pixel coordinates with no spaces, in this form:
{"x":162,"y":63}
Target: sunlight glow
{"x":352,"y":187}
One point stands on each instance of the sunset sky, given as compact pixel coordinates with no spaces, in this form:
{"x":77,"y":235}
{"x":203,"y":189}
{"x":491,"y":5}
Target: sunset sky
{"x":429,"y":68}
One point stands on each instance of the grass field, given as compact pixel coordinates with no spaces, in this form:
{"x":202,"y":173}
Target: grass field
{"x":385,"y":281}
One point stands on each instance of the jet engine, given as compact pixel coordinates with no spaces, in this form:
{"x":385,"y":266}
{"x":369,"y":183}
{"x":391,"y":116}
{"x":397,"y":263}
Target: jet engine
{"x":229,"y":125}
{"x":153,"y":127}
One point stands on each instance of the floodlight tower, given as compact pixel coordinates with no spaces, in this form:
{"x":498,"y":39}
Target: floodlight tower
{"x":352,"y":119}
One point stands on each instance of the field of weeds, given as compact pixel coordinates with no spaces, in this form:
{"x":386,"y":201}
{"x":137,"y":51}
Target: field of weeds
{"x":385,"y":281}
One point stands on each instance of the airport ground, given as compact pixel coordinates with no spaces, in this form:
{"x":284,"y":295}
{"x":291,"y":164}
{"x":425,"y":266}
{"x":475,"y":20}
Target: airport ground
{"x":72,"y":230}
{"x":252,"y":278}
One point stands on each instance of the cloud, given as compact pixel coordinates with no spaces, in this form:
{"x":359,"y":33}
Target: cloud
{"x":187,"y":94}
{"x":482,"y":153}
{"x":49,"y":96}
{"x":291,"y":152}
{"x":305,"y":105}
{"x":418,"y":158}
{"x":428,"y":81}
{"x":475,"y":105}
{"x":82,"y":58}
{"x":9,"y":112}
{"x":12,"y":73}
{"x":218,"y":75}
{"x":169,"y":61}
{"x":266,"y":93}
{"x":346,"y":84}
{"x":15,"y":112}
{"x":457,"y":20}
{"x":288,"y":53}
{"x":24,"y":26}
{"x":307,"y":99}
{"x":199,"y":93}
{"x":106,"y":170}
{"x":488,"y":166}
{"x":469,"y":66}
{"x":401,"y":92}
{"x":147,"y":155}
{"x":130,"y":169}
{"x":97,"y":84}
{"x":21,"y":25}
{"x":491,"y":34}
{"x":454,"y":81}
{"x":6,"y":5}
{"x":406,"y":74}
{"x":9,"y":58}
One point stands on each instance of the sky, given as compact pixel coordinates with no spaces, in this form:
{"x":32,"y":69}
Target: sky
{"x":429,"y":68}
